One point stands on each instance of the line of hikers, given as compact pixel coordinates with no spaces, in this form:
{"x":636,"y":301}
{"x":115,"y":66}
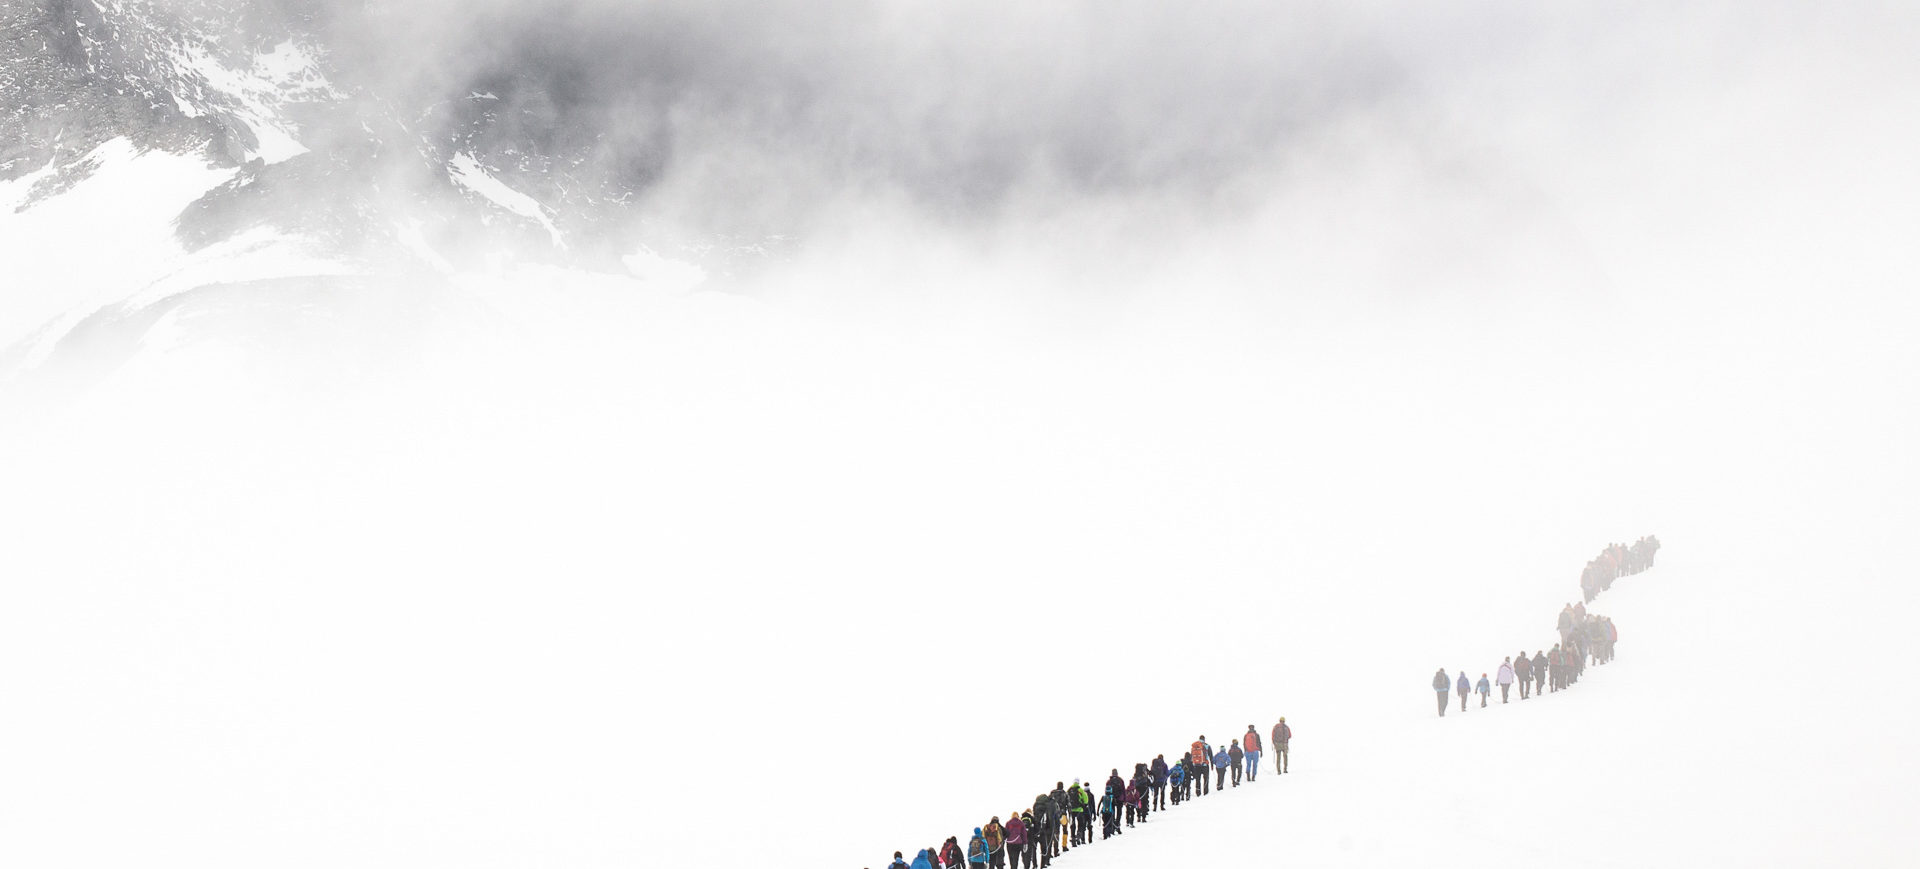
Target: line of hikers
{"x":1615,"y":561}
{"x":1584,"y":637}
{"x":1550,"y":670}
{"x":1063,"y":818}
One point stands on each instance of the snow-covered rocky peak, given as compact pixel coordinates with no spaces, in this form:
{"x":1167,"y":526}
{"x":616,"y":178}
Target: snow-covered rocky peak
{"x":155,"y":148}
{"x":224,"y":78}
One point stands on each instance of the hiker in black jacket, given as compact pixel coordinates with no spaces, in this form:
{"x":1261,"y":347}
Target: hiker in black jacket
{"x":1044,"y":830}
{"x":1159,"y":772}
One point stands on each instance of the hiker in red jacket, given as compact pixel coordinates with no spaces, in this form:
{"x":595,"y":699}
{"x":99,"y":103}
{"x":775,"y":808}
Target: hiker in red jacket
{"x":1202,"y":755}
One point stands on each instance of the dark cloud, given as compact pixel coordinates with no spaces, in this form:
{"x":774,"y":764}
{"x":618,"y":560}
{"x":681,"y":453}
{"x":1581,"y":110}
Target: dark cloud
{"x":766,"y":108}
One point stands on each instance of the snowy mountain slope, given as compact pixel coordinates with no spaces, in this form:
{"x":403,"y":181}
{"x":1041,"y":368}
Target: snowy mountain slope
{"x":216,"y":77}
{"x":572,"y":601}
{"x":248,"y":131}
{"x":128,"y":199}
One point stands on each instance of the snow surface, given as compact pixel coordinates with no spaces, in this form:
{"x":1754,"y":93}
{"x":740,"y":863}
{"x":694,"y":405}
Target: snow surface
{"x":468,"y":173}
{"x":110,"y":234}
{"x":576,"y":601}
{"x":660,"y":272}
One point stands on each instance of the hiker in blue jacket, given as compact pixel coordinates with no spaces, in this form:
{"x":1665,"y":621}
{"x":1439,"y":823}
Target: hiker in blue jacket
{"x":922,"y":861}
{"x":1485,"y":688}
{"x":1177,"y":780}
{"x":1463,"y":688}
{"x":977,"y":849}
{"x":1221,"y":759}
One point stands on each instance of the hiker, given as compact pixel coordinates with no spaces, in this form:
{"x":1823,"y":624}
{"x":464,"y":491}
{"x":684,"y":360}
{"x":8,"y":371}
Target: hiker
{"x":1035,"y":832}
{"x":1077,"y":802}
{"x":1282,"y":734}
{"x":1463,"y":688}
{"x":1134,"y":808}
{"x":977,"y":849}
{"x":1017,"y":840}
{"x":1160,"y":777}
{"x":1220,"y":760}
{"x":1485,"y":689}
{"x":1505,"y":678}
{"x":1523,"y":672}
{"x":996,"y":836}
{"x":950,"y":855}
{"x":1202,"y":755}
{"x":1177,"y":780}
{"x":900,"y":862}
{"x":1235,"y":759}
{"x":1540,"y":671}
{"x":1251,"y":742}
{"x":1109,"y":819}
{"x":1565,"y":625}
{"x":924,"y":861}
{"x":1040,"y":826}
{"x":1440,"y":685}
{"x":1057,"y":818}
{"x":1118,"y":786}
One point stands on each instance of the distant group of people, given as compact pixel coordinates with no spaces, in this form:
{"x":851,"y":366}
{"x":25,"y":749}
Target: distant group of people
{"x":1063,"y":818}
{"x":1615,"y":561}
{"x":1584,"y":638}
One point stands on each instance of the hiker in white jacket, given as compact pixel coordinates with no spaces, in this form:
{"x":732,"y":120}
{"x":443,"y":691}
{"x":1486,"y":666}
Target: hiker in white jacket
{"x":1505,"y":678}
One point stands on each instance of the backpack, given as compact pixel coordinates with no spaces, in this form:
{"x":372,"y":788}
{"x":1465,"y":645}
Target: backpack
{"x":1199,"y":753}
{"x":1286,"y":732}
